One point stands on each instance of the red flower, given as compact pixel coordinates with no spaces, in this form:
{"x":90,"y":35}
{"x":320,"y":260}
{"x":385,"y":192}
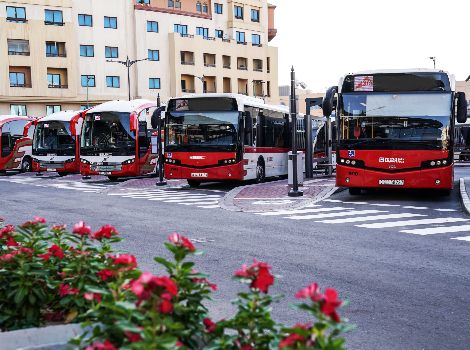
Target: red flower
{"x":129,"y":261}
{"x":329,"y":304}
{"x":45,"y":257}
{"x":9,"y":256}
{"x":81,"y":229}
{"x":92,"y":296}
{"x":312,"y":292}
{"x":39,"y":220}
{"x":6,"y":231}
{"x":259,"y":274}
{"x":210,"y":325}
{"x":148,"y":285}
{"x":105,"y":274}
{"x":133,"y":337}
{"x":212,"y":286}
{"x":181,"y":241}
{"x":291,"y":340}
{"x":166,"y":307}
{"x":107,"y":345}
{"x":56,"y":251}
{"x":106,"y":231}
{"x":59,"y":227}
{"x":65,"y":289}
{"x":11,"y":242}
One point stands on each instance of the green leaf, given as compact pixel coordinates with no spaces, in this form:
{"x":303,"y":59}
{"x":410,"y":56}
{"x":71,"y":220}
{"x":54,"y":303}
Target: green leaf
{"x":20,"y":294}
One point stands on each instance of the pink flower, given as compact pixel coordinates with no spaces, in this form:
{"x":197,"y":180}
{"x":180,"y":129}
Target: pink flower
{"x":312,"y":292}
{"x":81,"y":229}
{"x":107,"y":345}
{"x":259,"y":274}
{"x":181,"y":241}
{"x":65,"y":289}
{"x":59,"y":227}
{"x":39,"y":220}
{"x":6,"y":231}
{"x":129,"y":261}
{"x":92,"y":296}
{"x":106,"y":231}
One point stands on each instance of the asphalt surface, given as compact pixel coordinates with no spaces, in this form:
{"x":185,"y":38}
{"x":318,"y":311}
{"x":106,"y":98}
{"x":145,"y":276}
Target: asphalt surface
{"x":406,"y":290}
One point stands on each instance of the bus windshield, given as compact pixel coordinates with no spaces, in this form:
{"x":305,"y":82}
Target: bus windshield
{"x":107,"y":132}
{"x":214,"y":130}
{"x":54,"y":137}
{"x":395,"y":121}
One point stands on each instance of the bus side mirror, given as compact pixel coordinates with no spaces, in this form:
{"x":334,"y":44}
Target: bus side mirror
{"x":461,"y":107}
{"x":329,"y":104}
{"x":133,"y":122}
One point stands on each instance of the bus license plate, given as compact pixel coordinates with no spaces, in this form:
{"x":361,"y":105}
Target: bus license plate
{"x":392,"y":182}
{"x":199,"y":174}
{"x":104,"y":173}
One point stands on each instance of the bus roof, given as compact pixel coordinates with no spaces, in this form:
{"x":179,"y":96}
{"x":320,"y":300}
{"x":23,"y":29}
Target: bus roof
{"x":242,"y":100}
{"x":7,"y":118}
{"x":65,"y":116}
{"x":120,"y":106}
{"x":403,"y":71}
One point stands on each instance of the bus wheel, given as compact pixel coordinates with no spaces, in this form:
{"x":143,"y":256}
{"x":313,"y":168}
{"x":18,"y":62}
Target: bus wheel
{"x":61,"y":173}
{"x":260,"y":171}
{"x":113,"y":178}
{"x":354,"y":191}
{"x":194,"y":183}
{"x":26,"y":165}
{"x":444,"y":193}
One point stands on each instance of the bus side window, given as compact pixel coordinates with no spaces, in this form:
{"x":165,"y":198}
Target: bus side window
{"x":6,"y":144}
{"x":143,"y":139}
{"x":248,"y":129}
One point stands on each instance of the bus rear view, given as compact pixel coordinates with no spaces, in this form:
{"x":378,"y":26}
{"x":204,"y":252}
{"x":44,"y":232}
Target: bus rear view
{"x":395,"y":129}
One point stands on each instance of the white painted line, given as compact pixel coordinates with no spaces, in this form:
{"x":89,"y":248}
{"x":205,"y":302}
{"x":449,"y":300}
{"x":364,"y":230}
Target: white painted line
{"x":301,"y":211}
{"x":413,"y":207}
{"x":385,"y":205}
{"x":413,"y":222}
{"x":200,"y":203}
{"x":466,"y":238}
{"x":190,"y":200}
{"x":464,"y":195}
{"x":370,"y":218}
{"x":208,"y":206}
{"x":332,"y":200}
{"x":331,"y":215}
{"x":444,"y":210}
{"x":436,"y":230}
{"x":362,"y":203}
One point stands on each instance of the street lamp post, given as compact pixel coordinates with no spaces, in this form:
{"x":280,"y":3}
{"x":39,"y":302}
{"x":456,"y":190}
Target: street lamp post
{"x":161,"y":182}
{"x":433,"y":58}
{"x":294,"y":192}
{"x":128,"y":63}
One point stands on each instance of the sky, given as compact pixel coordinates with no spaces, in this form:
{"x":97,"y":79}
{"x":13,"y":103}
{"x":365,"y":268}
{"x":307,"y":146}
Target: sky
{"x":325,"y":39}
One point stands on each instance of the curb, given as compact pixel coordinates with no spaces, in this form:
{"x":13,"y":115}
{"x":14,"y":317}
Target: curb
{"x":464,"y":196}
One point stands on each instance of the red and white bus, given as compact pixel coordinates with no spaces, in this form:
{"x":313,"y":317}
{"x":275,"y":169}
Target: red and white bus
{"x":16,"y":135}
{"x":396,"y":129}
{"x":116,"y":140}
{"x":216,"y":137}
{"x":56,"y":143}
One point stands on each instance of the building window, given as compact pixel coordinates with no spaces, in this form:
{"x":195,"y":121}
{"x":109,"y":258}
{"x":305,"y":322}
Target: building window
{"x":177,"y":4}
{"x":218,"y":8}
{"x":19,"y":110}
{"x":154,"y":55}
{"x":88,"y":81}
{"x":55,"y":49}
{"x":53,"y":17}
{"x":152,"y":26}
{"x":238,"y":12}
{"x":143,"y":2}
{"x":171,"y":3}
{"x":241,"y":37}
{"x":205,"y":8}
{"x":18,"y":47}
{"x":110,"y":22}
{"x":50,"y":109}
{"x":254,"y":15}
{"x":181,"y":28}
{"x":53,"y":80}
{"x":204,"y":32}
{"x":111,"y":52}
{"x":198,"y":7}
{"x":219,"y":33}
{"x":256,"y":39}
{"x":16,"y":14}
{"x":87,"y":50}
{"x":85,"y":20}
{"x":112,"y":82}
{"x":154,"y":83}
{"x":17,"y":79}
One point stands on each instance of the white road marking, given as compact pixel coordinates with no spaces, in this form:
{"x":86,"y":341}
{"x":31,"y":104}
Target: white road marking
{"x":301,"y":211}
{"x":369,"y":218}
{"x":466,"y":238}
{"x":413,"y":222}
{"x":385,"y":205}
{"x":332,"y":200}
{"x":445,"y":210}
{"x":436,"y":230}
{"x":413,"y":207}
{"x":330,"y":215}
{"x":209,"y":206}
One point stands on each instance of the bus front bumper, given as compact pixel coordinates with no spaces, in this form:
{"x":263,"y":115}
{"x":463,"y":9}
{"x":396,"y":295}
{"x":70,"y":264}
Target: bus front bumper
{"x":116,"y":170}
{"x":437,"y":178}
{"x":219,"y":173}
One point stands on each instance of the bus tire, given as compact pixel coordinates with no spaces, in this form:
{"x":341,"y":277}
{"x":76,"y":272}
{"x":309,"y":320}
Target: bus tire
{"x":113,"y":178}
{"x":194,"y":183}
{"x":260,"y":171}
{"x":62,"y":173}
{"x":26,"y":165}
{"x":354,"y":191}
{"x":444,"y":193}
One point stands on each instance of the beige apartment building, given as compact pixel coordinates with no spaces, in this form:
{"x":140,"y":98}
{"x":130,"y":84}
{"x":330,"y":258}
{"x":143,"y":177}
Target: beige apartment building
{"x":61,"y":54}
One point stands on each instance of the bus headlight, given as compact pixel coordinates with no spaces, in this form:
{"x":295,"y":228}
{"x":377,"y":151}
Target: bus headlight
{"x":84,"y":161}
{"x":433,"y":163}
{"x":129,"y":161}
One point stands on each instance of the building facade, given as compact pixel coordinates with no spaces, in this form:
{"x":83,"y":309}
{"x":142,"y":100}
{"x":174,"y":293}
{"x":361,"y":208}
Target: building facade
{"x":62,"y":54}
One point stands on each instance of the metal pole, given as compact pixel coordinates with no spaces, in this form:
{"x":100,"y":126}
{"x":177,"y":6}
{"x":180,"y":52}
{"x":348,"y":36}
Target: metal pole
{"x":329,"y":150}
{"x":308,"y":143}
{"x":160,"y":148}
{"x":294,"y":192}
{"x":128,"y":65}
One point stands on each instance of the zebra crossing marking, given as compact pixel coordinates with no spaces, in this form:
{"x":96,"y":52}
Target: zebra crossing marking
{"x":413,"y":207}
{"x":329,"y":215}
{"x":413,"y":222}
{"x":369,"y":218}
{"x":301,"y":211}
{"x":445,"y":210}
{"x":437,"y":230}
{"x":466,"y":238}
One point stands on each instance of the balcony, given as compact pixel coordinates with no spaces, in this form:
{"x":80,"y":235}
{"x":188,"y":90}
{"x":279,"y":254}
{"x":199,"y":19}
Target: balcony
{"x":17,"y":20}
{"x":18,"y":53}
{"x":209,"y":60}
{"x":56,"y":54}
{"x":57,"y":86}
{"x":17,"y":85}
{"x":54,"y":23}
{"x":187,"y":58}
{"x":187,"y":63}
{"x":189,"y":91}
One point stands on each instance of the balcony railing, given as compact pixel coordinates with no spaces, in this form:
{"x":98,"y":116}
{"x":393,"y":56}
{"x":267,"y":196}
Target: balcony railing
{"x":241,"y":42}
{"x":18,"y":53}
{"x":189,"y":91}
{"x":62,"y":54}
{"x":20,"y":85}
{"x":53,"y":23}
{"x":241,"y":67}
{"x":54,"y":86}
{"x":257,"y":69}
{"x":243,"y":93}
{"x":227,"y":66}
{"x":17,"y":20}
{"x":187,"y":63}
{"x":209,"y":64}
{"x":258,"y":45}
{"x":186,"y":35}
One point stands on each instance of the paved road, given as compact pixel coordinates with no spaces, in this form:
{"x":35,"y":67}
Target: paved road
{"x":400,"y":258}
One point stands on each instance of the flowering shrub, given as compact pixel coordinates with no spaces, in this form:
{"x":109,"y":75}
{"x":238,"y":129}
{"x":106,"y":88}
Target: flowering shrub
{"x":45,"y":272}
